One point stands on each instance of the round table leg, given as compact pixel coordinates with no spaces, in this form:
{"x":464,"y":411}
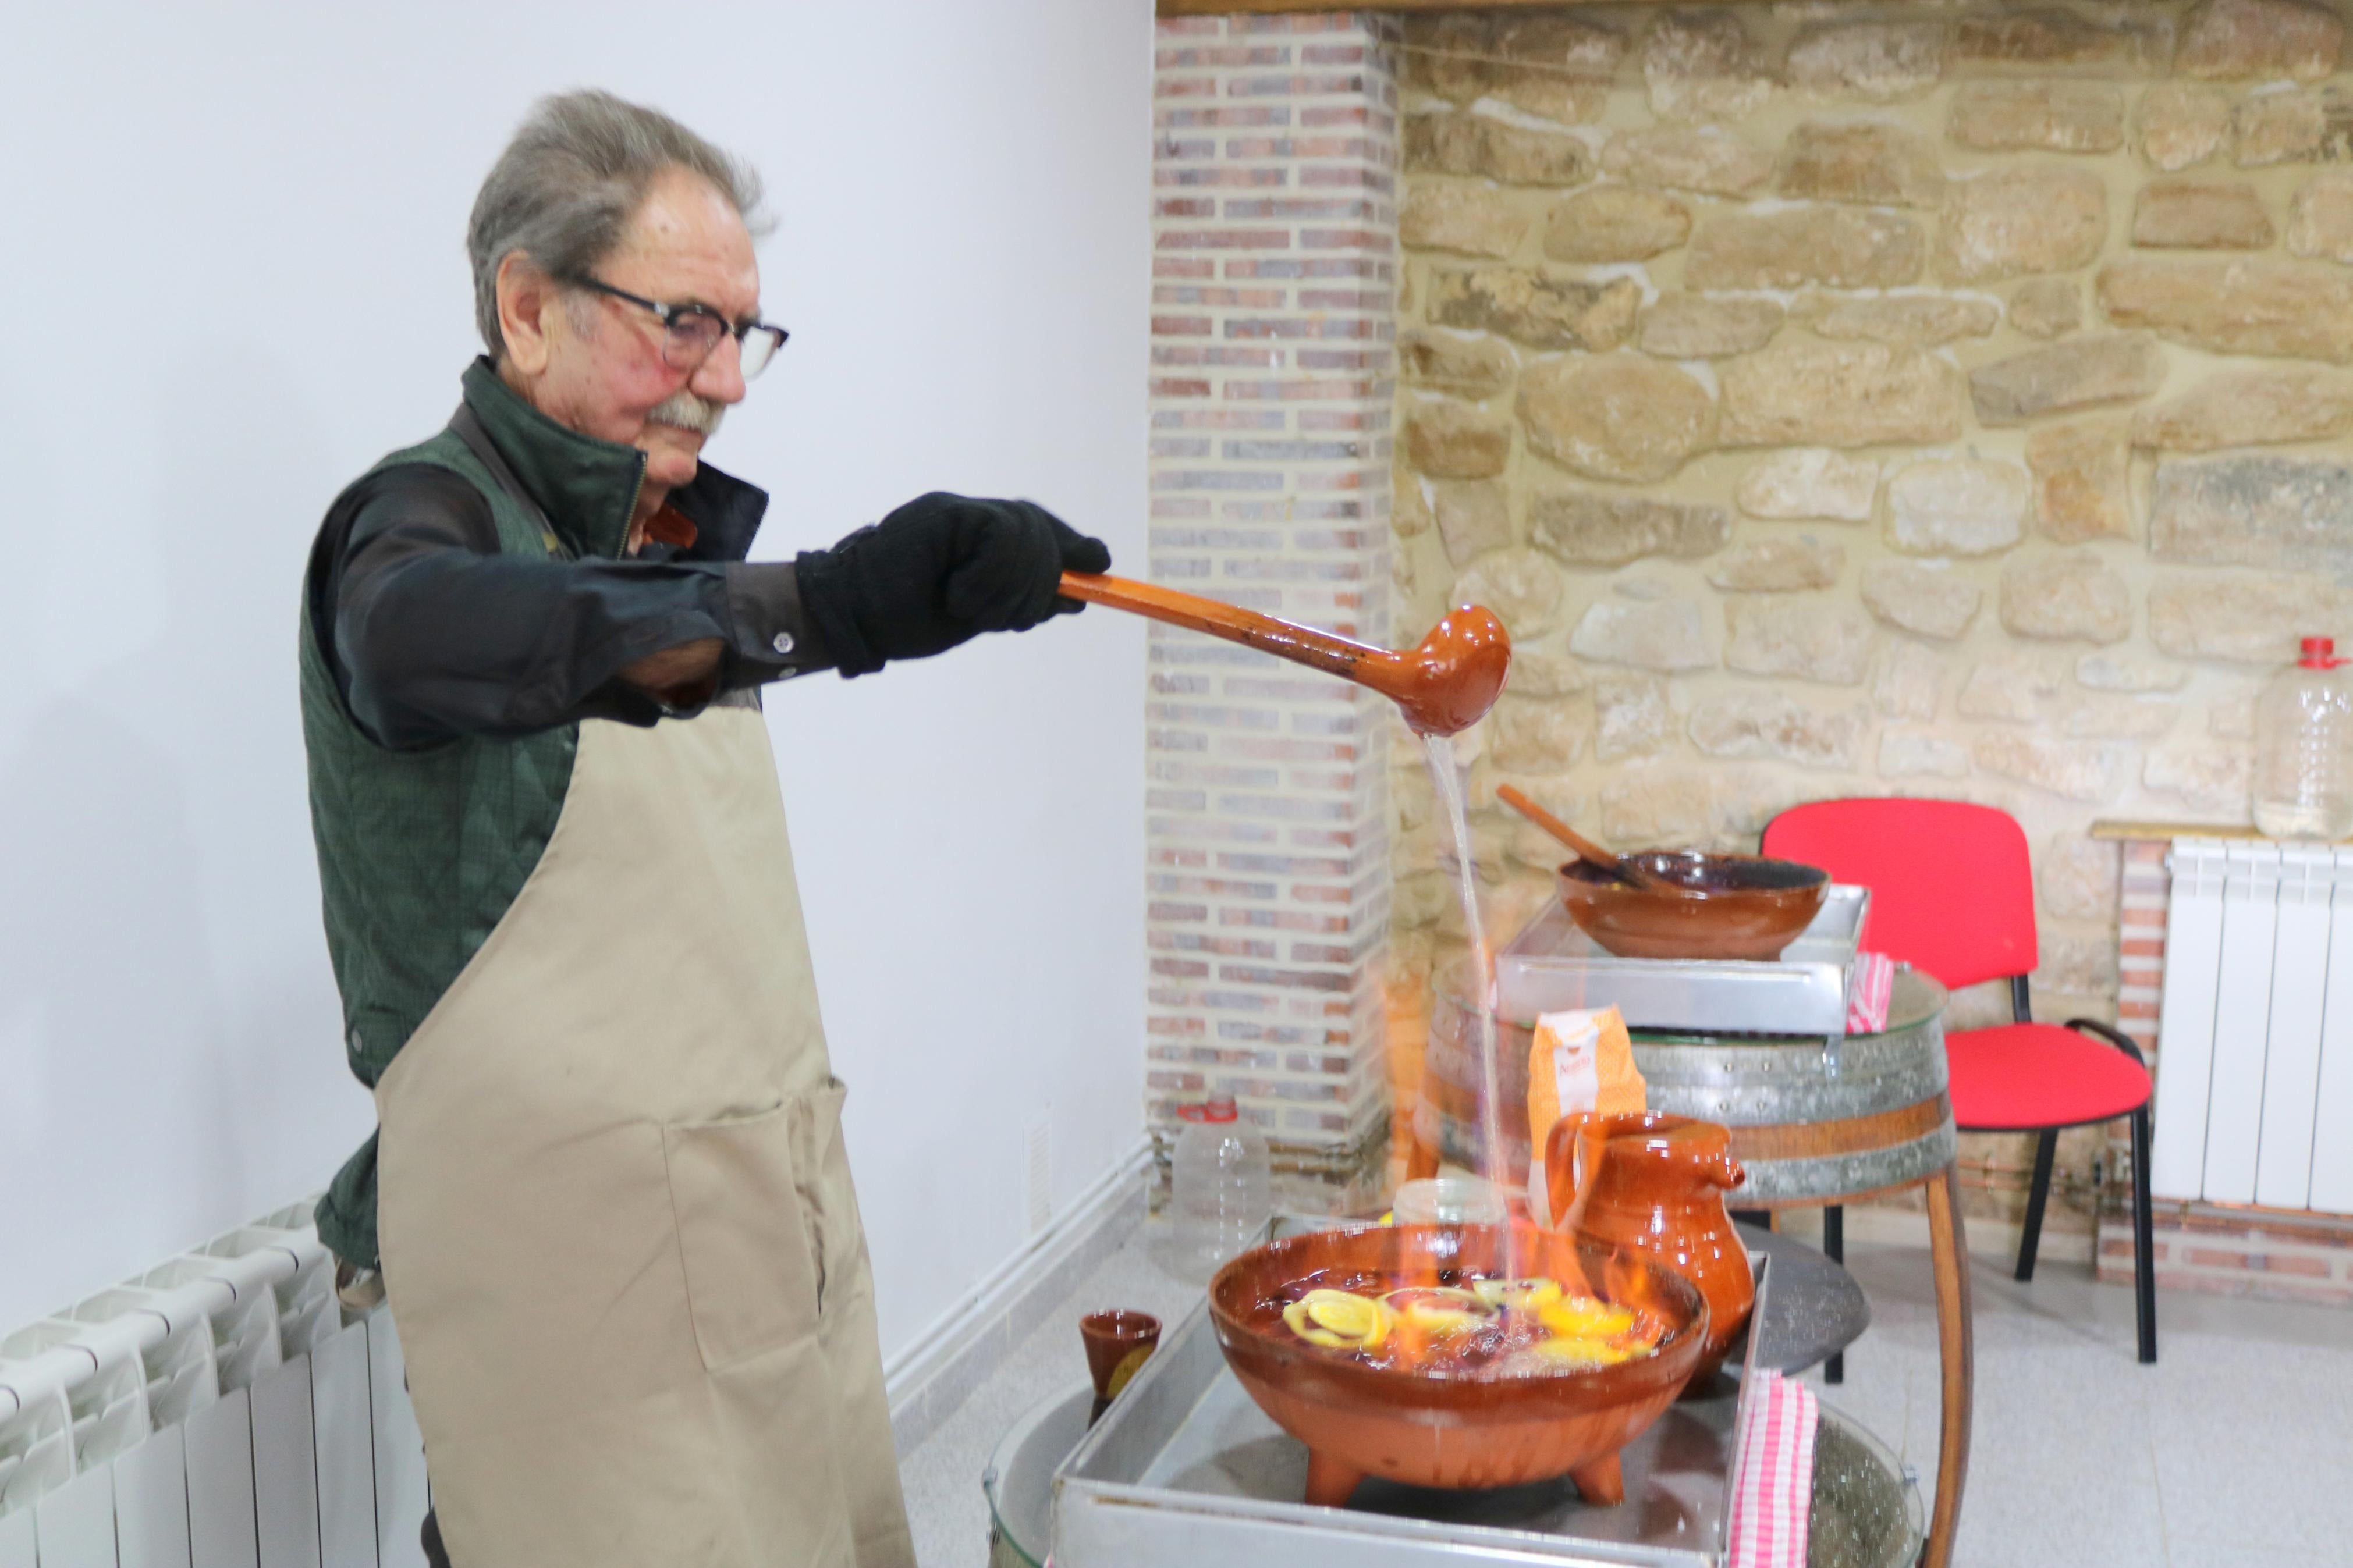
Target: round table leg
{"x":1950,"y":1247}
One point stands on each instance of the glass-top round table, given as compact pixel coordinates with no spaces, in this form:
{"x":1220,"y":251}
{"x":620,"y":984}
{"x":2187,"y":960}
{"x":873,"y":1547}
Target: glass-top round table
{"x":1815,"y":1120}
{"x":1818,"y":1120}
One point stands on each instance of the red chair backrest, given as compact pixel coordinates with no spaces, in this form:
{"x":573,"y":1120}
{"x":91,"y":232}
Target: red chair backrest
{"x":1952,"y":888}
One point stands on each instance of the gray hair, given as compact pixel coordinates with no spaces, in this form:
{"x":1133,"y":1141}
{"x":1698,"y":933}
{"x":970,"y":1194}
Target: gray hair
{"x":566,"y":188}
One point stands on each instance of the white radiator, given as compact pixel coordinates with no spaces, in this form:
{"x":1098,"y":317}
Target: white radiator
{"x":2254,"y":1093}
{"x":219,"y":1411}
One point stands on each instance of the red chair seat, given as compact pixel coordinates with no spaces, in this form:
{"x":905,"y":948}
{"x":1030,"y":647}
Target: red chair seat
{"x":2027,"y":1077}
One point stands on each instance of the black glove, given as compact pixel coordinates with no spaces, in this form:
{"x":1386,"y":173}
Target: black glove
{"x":937,"y":571}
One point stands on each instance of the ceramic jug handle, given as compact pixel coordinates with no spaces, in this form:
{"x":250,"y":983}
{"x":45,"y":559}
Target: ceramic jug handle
{"x":1560,"y":1169}
{"x":1572,"y":1153}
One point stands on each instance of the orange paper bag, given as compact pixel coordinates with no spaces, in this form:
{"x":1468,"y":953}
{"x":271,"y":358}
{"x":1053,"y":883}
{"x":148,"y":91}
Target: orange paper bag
{"x":1580,"y":1061}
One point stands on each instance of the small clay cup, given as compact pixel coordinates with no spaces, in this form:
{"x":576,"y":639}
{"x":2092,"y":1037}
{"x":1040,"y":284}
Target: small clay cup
{"x":1118,"y":1344}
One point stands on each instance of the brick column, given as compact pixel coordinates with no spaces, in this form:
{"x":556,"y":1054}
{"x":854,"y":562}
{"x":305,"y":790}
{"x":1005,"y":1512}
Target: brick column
{"x":1273,"y":306}
{"x":2140,"y":941}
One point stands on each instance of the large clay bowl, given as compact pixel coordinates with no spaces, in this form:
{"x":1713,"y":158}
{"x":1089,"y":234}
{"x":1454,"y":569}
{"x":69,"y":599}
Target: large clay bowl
{"x":1453,"y":1432}
{"x":1728,"y":906}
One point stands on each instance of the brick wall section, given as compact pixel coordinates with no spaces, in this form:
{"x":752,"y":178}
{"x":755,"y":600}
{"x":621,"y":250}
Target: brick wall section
{"x":2240,"y":1252}
{"x":1272,"y":326}
{"x":2140,"y":942}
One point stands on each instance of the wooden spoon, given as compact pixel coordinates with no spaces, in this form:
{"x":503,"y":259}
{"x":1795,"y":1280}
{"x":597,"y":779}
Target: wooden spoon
{"x":1586,"y":850}
{"x":1445,"y":683}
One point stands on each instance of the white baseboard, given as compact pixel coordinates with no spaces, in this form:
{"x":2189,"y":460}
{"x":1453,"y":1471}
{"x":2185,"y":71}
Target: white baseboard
{"x":957,"y":1351}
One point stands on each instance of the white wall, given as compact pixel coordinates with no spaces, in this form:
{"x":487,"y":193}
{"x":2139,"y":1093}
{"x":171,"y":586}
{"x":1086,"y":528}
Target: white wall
{"x":230,"y":239}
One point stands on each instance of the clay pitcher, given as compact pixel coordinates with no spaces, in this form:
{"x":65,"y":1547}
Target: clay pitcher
{"x":1657,"y":1185}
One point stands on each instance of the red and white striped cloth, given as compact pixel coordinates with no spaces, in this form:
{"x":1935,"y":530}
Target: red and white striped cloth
{"x":1867,"y":992}
{"x":1772,"y":1505}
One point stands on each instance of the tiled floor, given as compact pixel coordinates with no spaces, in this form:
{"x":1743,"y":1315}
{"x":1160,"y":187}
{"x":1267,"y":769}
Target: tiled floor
{"x":943,"y":1475}
{"x":2235,"y":1449}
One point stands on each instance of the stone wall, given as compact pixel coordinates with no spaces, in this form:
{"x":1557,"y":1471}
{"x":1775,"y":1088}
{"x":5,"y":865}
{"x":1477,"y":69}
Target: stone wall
{"x":1834,"y":400}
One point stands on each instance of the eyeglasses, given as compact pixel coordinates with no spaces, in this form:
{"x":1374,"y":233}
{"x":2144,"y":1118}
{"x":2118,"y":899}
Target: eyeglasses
{"x":692,"y":332}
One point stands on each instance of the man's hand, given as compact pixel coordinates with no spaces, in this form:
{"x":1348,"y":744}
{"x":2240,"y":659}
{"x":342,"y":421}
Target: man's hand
{"x":937,"y":571}
{"x":682,"y":676}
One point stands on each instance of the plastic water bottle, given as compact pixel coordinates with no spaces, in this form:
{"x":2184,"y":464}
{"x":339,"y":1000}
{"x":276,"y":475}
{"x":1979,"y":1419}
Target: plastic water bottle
{"x":2304,"y":748}
{"x":1223,"y":1189}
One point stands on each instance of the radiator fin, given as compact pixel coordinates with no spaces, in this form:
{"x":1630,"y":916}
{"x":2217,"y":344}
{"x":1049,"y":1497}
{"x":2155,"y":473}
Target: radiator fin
{"x":2185,"y":1029}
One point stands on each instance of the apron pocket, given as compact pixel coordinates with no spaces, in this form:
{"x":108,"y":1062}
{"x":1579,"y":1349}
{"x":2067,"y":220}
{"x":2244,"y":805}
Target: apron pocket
{"x":751,"y":1281}
{"x":828,"y":1208}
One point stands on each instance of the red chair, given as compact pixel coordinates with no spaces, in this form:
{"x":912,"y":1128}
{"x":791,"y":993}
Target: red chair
{"x":1952,"y":894}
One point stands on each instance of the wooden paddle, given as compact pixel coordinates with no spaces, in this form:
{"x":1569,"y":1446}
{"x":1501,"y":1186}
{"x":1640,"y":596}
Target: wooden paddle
{"x":1586,"y":850}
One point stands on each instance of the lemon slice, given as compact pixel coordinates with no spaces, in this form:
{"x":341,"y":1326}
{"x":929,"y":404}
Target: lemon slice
{"x":1521,"y":1295}
{"x":1583,"y":1317}
{"x":1577,"y":1350}
{"x":1296,"y":1316}
{"x":1439,"y":1309}
{"x":1338,"y":1320}
{"x":1351,"y":1316}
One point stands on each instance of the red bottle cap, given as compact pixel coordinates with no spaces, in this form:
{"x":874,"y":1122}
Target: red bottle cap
{"x":1216,"y":1107}
{"x":2318,"y":653}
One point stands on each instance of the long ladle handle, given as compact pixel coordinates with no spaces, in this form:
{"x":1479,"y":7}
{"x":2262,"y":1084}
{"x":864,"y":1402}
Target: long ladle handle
{"x":1586,"y":849}
{"x":1301,"y":645}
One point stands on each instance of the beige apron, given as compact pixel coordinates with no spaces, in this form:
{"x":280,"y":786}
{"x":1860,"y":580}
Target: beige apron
{"x":615,"y":1213}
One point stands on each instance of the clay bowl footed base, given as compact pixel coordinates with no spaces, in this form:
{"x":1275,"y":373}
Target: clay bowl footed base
{"x":1723,"y":906}
{"x":1454,"y":1432}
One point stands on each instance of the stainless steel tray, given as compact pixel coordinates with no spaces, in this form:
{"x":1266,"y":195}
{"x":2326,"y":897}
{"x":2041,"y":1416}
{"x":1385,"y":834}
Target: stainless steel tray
{"x":1553,"y":965}
{"x":1185,"y":1469}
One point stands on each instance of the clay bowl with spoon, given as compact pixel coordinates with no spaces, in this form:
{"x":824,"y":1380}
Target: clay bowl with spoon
{"x":1681,"y":903}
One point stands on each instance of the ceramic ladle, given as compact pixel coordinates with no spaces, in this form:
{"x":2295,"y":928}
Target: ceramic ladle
{"x":1617,"y":866}
{"x":1444,"y":683}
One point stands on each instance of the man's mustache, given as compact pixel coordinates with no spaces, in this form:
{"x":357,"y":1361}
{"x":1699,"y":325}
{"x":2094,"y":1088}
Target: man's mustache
{"x":688,"y":412}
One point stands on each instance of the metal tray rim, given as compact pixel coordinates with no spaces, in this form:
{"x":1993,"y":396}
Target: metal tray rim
{"x":1300,"y":1520}
{"x":1784,"y":996}
{"x":1458,"y":1539}
{"x":1829,"y":926}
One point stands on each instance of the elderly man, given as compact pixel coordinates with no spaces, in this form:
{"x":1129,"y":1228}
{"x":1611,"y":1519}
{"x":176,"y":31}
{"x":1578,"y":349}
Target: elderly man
{"x":608,"y":1188}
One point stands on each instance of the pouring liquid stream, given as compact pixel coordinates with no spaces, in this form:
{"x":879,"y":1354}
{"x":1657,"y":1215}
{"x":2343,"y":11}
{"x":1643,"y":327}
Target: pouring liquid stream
{"x":1438,"y":750}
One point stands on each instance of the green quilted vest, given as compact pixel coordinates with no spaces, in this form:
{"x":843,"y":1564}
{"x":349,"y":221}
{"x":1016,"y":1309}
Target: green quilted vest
{"x":420,"y":853}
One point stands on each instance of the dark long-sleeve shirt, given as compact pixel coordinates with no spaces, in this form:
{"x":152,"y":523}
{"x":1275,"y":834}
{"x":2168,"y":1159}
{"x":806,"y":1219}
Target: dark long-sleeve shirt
{"x":437,"y":635}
